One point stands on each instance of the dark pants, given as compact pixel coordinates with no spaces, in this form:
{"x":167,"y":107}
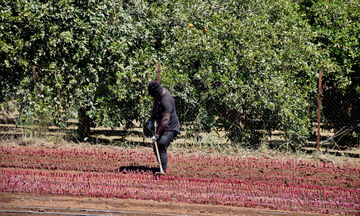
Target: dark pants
{"x":163,"y":143}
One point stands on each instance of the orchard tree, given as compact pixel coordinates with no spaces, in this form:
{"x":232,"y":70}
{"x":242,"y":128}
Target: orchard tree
{"x":252,"y":66}
{"x":247,"y":67}
{"x":337,"y":27}
{"x":84,"y":59}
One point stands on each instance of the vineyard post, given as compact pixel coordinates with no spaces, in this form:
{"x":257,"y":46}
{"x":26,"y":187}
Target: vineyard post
{"x":158,"y":72}
{"x":319,"y":111}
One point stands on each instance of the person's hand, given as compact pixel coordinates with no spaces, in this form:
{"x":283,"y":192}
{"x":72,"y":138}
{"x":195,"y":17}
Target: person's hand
{"x":154,"y":138}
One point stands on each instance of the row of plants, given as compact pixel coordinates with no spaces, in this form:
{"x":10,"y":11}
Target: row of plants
{"x":270,"y":183}
{"x":244,"y":193}
{"x":200,"y":165}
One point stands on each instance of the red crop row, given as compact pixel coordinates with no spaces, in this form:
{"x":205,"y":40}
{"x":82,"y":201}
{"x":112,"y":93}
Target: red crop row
{"x":232,"y":192}
{"x":205,"y":160}
{"x":237,"y":181}
{"x":271,"y":170}
{"x":92,"y":156}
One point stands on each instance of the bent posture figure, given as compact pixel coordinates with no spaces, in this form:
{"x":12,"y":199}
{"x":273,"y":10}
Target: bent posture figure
{"x":164,"y":114}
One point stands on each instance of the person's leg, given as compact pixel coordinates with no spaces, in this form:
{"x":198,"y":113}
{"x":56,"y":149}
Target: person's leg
{"x":164,"y":141}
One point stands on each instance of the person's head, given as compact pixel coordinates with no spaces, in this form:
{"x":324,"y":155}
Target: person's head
{"x":155,"y":89}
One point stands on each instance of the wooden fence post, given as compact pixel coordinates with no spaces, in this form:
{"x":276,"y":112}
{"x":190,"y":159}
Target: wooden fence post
{"x":158,"y":72}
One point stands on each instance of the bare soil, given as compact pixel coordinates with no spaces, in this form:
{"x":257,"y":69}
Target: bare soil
{"x":109,"y":206}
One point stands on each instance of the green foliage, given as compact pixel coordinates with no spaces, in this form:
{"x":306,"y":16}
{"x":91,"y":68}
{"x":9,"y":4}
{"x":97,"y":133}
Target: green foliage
{"x":244,"y":66}
{"x":337,"y":27}
{"x":71,"y":55}
{"x":258,"y":66}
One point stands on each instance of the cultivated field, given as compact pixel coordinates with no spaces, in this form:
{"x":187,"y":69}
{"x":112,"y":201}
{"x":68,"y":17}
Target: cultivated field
{"x":83,"y":177}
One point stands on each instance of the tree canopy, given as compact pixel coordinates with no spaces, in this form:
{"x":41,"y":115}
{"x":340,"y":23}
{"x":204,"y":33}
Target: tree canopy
{"x":244,"y":66}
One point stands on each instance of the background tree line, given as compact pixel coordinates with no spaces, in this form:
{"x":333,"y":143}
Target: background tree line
{"x":250,"y":67}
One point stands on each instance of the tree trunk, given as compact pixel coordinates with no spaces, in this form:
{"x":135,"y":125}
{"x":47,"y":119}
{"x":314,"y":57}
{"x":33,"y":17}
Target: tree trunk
{"x":84,"y":124}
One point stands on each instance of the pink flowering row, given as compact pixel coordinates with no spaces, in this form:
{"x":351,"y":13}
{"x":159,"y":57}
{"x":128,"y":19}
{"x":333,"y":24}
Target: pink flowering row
{"x":196,"y":178}
{"x":134,"y":185}
{"x":63,"y":159}
{"x":202,"y":160}
{"x":95,"y":160}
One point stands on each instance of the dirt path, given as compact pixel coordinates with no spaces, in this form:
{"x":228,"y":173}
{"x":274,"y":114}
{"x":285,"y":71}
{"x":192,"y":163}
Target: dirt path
{"x":26,"y":204}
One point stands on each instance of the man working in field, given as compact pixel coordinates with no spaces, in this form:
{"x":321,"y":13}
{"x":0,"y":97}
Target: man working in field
{"x":164,"y":114}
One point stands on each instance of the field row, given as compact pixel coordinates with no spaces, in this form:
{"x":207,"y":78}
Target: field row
{"x":293,"y":185}
{"x":233,"y":192}
{"x":184,"y":165}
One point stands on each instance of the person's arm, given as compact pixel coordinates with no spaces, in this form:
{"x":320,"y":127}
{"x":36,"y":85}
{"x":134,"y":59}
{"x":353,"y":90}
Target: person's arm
{"x":164,"y":122}
{"x":165,"y":116}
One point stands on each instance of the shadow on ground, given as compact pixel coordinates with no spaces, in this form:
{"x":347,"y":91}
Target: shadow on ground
{"x":141,"y":169}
